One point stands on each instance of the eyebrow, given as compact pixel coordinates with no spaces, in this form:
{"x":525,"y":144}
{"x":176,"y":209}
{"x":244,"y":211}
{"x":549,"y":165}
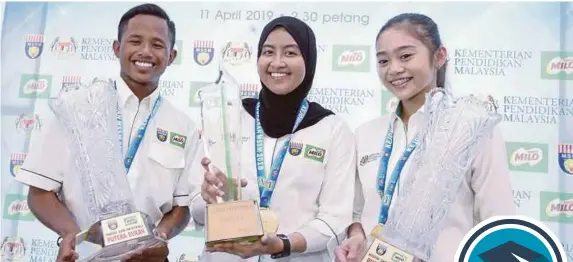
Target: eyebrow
{"x":285,"y":46}
{"x":137,"y":36}
{"x":395,"y":50}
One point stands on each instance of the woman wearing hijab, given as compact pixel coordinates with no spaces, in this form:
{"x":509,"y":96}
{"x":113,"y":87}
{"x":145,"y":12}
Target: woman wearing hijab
{"x":310,"y":149}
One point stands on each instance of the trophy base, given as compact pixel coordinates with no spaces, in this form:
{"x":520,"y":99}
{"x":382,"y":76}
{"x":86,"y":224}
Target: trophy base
{"x":380,"y":251}
{"x":235,"y":221}
{"x":116,"y":238}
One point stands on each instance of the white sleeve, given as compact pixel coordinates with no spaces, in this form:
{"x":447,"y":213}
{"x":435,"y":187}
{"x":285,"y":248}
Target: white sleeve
{"x":491,"y":179}
{"x":44,"y":164}
{"x":183,"y":192}
{"x":336,"y":197}
{"x":358,"y":193}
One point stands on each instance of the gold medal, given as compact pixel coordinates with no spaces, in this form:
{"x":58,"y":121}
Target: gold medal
{"x":270,"y":220}
{"x":377,"y":231}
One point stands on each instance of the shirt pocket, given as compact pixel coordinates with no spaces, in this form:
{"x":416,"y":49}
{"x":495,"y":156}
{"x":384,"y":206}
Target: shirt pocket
{"x":167,"y":156}
{"x":166,"y":164}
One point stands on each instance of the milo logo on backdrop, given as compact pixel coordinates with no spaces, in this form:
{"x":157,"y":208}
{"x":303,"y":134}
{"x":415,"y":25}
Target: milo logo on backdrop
{"x":352,"y":58}
{"x":314,"y":153}
{"x":16,"y":208}
{"x":556,"y":207}
{"x":389,"y":102}
{"x":557,"y":65}
{"x":527,"y":157}
{"x":35,"y":86}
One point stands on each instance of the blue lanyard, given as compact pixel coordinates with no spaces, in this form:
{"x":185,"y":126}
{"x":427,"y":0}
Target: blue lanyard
{"x":134,"y":145}
{"x":267,"y":184}
{"x":388,"y":193}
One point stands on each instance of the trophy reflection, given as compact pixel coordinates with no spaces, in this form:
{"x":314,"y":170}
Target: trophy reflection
{"x":88,"y":117}
{"x":230,"y":219}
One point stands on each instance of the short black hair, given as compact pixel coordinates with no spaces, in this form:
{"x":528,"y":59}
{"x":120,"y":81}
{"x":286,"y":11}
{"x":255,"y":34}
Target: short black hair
{"x":146,"y":9}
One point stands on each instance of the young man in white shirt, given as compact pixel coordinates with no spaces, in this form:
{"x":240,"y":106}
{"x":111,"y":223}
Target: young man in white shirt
{"x":159,"y":170}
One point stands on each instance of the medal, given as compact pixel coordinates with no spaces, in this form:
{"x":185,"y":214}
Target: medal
{"x":270,"y":220}
{"x":377,"y":231}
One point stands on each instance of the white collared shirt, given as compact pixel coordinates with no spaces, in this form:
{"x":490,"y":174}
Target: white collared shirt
{"x":158,"y":173}
{"x":484,"y":192}
{"x":309,"y":191}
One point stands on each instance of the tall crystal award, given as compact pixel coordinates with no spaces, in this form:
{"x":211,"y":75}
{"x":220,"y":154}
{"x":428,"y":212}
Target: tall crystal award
{"x":231,"y":219}
{"x":454,"y":131}
{"x":88,"y":117}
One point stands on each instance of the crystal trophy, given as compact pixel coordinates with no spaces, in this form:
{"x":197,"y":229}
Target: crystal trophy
{"x":88,"y":117}
{"x":230,"y":219}
{"x":455,"y":128}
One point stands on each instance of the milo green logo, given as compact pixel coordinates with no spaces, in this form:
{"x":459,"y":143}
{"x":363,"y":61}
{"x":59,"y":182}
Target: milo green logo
{"x":177,"y":139}
{"x":314,"y":153}
{"x":194,"y":93}
{"x":16,"y":208}
{"x":389,"y":102}
{"x":397,"y":257}
{"x":179,"y":47}
{"x":353,"y":58}
{"x":527,"y":157}
{"x":35,"y":86}
{"x":556,"y":207}
{"x":557,"y":65}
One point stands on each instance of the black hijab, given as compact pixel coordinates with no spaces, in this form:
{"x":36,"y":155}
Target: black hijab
{"x":278,"y":112}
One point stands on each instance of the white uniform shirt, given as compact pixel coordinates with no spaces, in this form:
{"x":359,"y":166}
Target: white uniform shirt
{"x":306,"y":189}
{"x":484,"y":192}
{"x":158,"y":174}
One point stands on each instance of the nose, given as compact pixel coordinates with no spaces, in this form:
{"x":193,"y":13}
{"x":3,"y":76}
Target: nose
{"x":145,"y":50}
{"x":395,"y":68}
{"x":277,"y":61}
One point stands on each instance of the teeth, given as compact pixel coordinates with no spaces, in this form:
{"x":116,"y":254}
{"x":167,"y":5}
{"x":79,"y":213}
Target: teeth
{"x":400,"y":81}
{"x":278,"y":74}
{"x":143,"y":64}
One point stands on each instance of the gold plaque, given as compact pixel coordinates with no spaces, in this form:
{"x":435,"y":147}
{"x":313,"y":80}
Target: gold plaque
{"x":234,"y":221}
{"x":270,"y":220}
{"x":380,"y":251}
{"x":377,"y":231}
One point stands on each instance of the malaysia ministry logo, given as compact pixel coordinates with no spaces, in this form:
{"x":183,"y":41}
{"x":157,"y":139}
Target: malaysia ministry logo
{"x":34,"y":46}
{"x":565,"y":158}
{"x":510,"y":239}
{"x":203,"y":52}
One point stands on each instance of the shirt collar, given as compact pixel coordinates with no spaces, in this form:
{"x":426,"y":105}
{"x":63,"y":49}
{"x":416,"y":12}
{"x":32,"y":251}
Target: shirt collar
{"x":398,"y":111}
{"x":125,"y":95}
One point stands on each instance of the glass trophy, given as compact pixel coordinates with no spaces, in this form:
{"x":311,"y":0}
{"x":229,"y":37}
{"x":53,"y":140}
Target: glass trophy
{"x":87,"y":115}
{"x":453,"y":133}
{"x":230,"y":219}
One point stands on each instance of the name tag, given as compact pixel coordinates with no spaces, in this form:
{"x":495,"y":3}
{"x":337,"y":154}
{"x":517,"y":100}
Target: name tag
{"x":380,"y":251}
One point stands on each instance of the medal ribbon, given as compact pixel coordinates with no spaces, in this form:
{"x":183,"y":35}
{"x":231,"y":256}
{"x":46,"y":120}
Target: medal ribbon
{"x":267,"y":183}
{"x":134,"y":145}
{"x":387,"y":193}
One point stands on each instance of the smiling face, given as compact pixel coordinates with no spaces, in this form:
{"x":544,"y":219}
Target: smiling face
{"x":406,"y":65}
{"x":281,"y":65}
{"x":144,"y":50}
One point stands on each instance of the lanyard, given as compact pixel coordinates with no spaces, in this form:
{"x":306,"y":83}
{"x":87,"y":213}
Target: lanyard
{"x":267,"y":184}
{"x":387,"y":193}
{"x":134,"y":145}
